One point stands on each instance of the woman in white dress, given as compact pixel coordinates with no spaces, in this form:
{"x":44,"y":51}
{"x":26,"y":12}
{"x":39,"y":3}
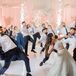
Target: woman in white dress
{"x":62,"y":63}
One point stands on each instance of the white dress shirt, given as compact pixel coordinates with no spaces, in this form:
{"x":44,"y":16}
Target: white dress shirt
{"x":31,"y":31}
{"x":37,"y":29}
{"x":6,"y":43}
{"x":24,"y":31}
{"x":49,"y":30}
{"x":75,"y":35}
{"x":62,"y":30}
{"x":14,"y":34}
{"x":72,"y":44}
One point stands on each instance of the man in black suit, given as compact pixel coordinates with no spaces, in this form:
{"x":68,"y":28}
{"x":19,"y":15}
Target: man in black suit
{"x":11,"y":52}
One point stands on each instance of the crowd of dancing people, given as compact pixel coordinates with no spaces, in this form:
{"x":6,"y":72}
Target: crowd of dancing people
{"x":14,"y":46}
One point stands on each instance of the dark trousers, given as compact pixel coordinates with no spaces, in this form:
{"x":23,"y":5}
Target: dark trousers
{"x":74,"y":54}
{"x":45,"y":59}
{"x":26,"y":40}
{"x":48,"y":55}
{"x":42,"y":50}
{"x":15,"y":54}
{"x":36,"y":35}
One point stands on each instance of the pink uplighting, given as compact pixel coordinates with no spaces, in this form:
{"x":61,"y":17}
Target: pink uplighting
{"x":14,"y":12}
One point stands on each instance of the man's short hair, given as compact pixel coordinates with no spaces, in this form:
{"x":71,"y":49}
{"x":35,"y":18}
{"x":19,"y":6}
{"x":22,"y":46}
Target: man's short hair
{"x":50,"y":35}
{"x":73,"y":28}
{"x":0,"y":27}
{"x":56,"y":37}
{"x":23,"y":22}
{"x":44,"y":29}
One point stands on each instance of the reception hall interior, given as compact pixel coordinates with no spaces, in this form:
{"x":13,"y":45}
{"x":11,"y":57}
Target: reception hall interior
{"x":37,"y":37}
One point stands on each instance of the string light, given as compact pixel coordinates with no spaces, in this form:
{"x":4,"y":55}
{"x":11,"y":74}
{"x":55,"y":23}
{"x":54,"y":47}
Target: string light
{"x":59,"y":13}
{"x":22,"y":13}
{"x":37,"y":17}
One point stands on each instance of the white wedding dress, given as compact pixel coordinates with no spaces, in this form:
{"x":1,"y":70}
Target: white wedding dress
{"x":62,"y":64}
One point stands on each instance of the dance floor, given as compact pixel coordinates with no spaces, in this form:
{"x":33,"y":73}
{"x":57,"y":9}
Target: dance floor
{"x":17,"y":68}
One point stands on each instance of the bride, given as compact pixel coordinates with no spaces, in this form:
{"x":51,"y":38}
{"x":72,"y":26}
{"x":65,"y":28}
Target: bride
{"x":63,"y":63}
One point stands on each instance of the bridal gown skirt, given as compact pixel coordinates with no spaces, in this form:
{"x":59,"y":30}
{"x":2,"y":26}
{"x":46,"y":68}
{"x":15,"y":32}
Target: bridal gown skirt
{"x":61,"y":64}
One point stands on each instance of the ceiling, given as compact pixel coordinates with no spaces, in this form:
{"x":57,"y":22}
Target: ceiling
{"x":48,"y":7}
{"x":39,"y":3}
{"x":44,"y":5}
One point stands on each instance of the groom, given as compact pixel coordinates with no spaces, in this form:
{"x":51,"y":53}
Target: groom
{"x":9,"y":52}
